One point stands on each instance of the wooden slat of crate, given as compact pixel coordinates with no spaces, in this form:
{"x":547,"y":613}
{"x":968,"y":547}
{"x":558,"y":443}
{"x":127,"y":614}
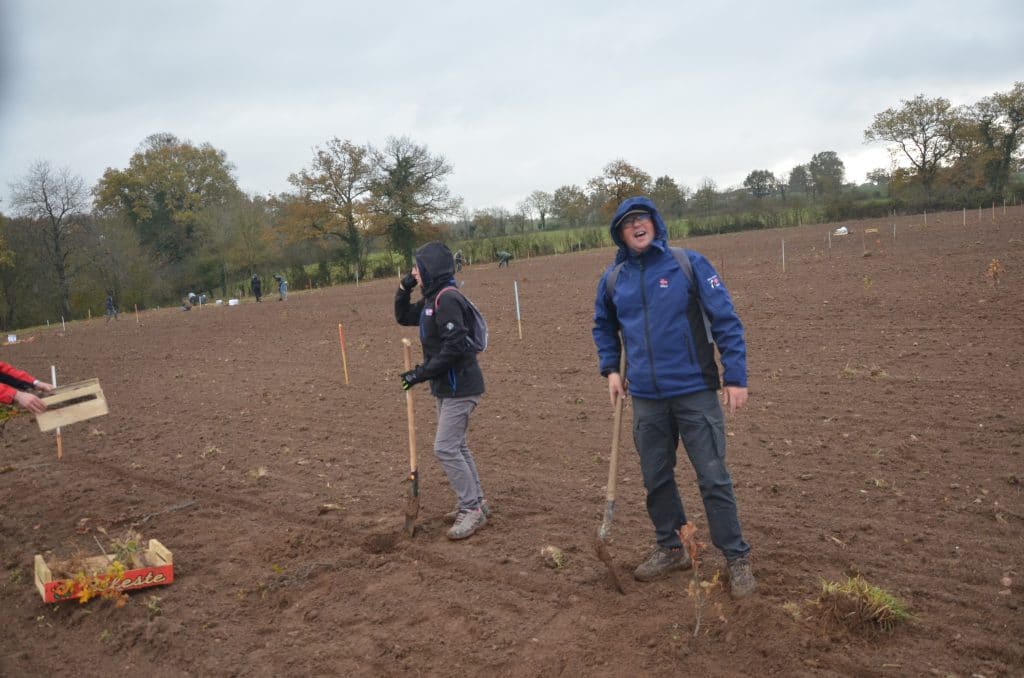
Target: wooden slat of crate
{"x":57,"y":415}
{"x":158,"y":554}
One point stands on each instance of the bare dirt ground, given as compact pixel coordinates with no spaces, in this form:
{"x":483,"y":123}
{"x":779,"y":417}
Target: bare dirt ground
{"x":883,"y":438}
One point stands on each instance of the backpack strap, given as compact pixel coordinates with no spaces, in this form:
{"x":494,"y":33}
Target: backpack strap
{"x":437,"y":297}
{"x":684,"y":265}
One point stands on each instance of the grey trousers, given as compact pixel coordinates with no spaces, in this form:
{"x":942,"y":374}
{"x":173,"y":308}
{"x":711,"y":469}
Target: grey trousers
{"x":453,"y":453}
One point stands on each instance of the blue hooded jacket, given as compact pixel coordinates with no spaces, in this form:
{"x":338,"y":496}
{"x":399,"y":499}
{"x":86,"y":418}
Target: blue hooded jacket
{"x":655,"y":306}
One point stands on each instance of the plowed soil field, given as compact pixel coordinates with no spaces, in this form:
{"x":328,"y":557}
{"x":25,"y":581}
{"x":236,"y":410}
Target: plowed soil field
{"x":883,"y":438}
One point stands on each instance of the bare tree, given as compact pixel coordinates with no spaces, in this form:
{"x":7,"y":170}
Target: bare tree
{"x":922,"y":129}
{"x":409,"y":191}
{"x":619,"y":181}
{"x":539,"y":202}
{"x":336,"y":189}
{"x":56,"y":201}
{"x":569,"y":203}
{"x":705,"y":198}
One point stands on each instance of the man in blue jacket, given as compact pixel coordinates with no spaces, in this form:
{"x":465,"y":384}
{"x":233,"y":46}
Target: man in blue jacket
{"x":666,"y":307}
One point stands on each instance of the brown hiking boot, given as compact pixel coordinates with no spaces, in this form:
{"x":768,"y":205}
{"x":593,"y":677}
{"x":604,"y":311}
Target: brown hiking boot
{"x":741,"y":579}
{"x":661,"y":562}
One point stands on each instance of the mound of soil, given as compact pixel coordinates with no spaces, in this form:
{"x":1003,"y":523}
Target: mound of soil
{"x":883,"y":438}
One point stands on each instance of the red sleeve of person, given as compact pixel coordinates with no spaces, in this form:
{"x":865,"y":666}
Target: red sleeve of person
{"x":14,"y":387}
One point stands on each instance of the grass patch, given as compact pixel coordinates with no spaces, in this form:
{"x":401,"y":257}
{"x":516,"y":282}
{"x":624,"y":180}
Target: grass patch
{"x":861,"y":607}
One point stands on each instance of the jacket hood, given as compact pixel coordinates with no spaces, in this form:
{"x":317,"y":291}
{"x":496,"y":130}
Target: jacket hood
{"x":436,"y":265}
{"x":638,"y":203}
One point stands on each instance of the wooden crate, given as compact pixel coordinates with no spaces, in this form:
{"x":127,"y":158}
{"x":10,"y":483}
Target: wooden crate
{"x":157,"y":570}
{"x":72,"y":403}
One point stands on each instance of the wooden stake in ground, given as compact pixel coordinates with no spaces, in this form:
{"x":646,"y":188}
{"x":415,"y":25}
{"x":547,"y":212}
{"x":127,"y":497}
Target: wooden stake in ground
{"x":604,"y":531}
{"x":344,"y":358}
{"x":412,"y":503}
{"x":60,"y":441}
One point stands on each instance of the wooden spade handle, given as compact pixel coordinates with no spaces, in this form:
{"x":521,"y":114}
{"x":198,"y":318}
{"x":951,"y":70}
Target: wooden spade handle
{"x":407,"y":354}
{"x":613,"y":464}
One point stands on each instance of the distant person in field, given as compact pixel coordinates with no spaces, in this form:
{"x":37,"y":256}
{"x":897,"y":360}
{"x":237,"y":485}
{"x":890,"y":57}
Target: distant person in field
{"x":504,"y":258}
{"x":257,"y":287}
{"x":282,"y":287}
{"x":458,"y":261}
{"x":15,"y":385}
{"x":665,"y":302}
{"x":451,"y":367}
{"x":111,"y":307}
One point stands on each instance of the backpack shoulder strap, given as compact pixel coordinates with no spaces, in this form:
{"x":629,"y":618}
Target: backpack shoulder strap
{"x":609,"y":284}
{"x":437,"y":297}
{"x":684,"y":263}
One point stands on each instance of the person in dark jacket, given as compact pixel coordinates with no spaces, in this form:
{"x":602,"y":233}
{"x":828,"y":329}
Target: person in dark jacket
{"x":673,"y":379}
{"x":257,"y":287}
{"x":503,"y":258}
{"x":111,"y":307}
{"x":15,"y":385}
{"x":451,"y":367}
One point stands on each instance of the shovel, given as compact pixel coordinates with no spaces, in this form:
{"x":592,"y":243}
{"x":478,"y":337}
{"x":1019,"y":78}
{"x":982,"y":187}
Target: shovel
{"x":604,"y":531}
{"x":412,"y":502}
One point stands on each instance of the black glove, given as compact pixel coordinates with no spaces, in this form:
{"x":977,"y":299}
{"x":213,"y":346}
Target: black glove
{"x":412,"y":377}
{"x":408,"y":282}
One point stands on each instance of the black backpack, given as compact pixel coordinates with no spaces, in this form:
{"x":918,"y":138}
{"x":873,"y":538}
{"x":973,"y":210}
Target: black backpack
{"x":477,"y":330}
{"x":684,"y":263}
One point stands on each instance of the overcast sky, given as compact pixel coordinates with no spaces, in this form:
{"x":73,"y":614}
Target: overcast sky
{"x":518,"y":96}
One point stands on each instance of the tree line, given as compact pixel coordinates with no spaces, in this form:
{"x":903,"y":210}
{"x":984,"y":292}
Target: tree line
{"x":174,"y":220}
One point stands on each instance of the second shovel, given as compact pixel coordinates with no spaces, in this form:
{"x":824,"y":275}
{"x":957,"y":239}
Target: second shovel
{"x":604,"y":531}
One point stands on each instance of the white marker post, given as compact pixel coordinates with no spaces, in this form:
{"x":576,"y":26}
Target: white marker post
{"x":519,"y":321}
{"x":60,"y":441}
{"x":783,"y":255}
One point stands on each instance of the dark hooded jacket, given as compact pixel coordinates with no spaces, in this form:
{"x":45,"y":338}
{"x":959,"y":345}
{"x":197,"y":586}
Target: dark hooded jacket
{"x":656,"y":307}
{"x":448,"y":362}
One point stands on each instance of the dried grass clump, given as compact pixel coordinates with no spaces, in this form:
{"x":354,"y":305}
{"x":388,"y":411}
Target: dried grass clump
{"x":860,"y":606}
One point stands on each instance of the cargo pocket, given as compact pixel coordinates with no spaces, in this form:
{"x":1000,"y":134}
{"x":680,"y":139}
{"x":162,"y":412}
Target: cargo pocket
{"x":716,"y":432}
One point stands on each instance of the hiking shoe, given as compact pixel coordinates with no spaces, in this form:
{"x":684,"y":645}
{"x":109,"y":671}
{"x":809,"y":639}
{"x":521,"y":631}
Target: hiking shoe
{"x":661,"y":562}
{"x":467,"y":523}
{"x":741,"y":579}
{"x":485,"y":506}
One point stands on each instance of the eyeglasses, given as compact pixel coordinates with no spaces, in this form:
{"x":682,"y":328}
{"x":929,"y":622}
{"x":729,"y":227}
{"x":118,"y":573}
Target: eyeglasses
{"x":634,"y":220}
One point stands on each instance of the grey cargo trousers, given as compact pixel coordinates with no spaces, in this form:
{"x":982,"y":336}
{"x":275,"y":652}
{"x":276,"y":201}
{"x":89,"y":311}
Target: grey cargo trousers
{"x":452,"y":451}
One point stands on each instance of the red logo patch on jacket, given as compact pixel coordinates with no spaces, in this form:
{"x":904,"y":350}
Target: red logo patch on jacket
{"x":663,"y":283}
